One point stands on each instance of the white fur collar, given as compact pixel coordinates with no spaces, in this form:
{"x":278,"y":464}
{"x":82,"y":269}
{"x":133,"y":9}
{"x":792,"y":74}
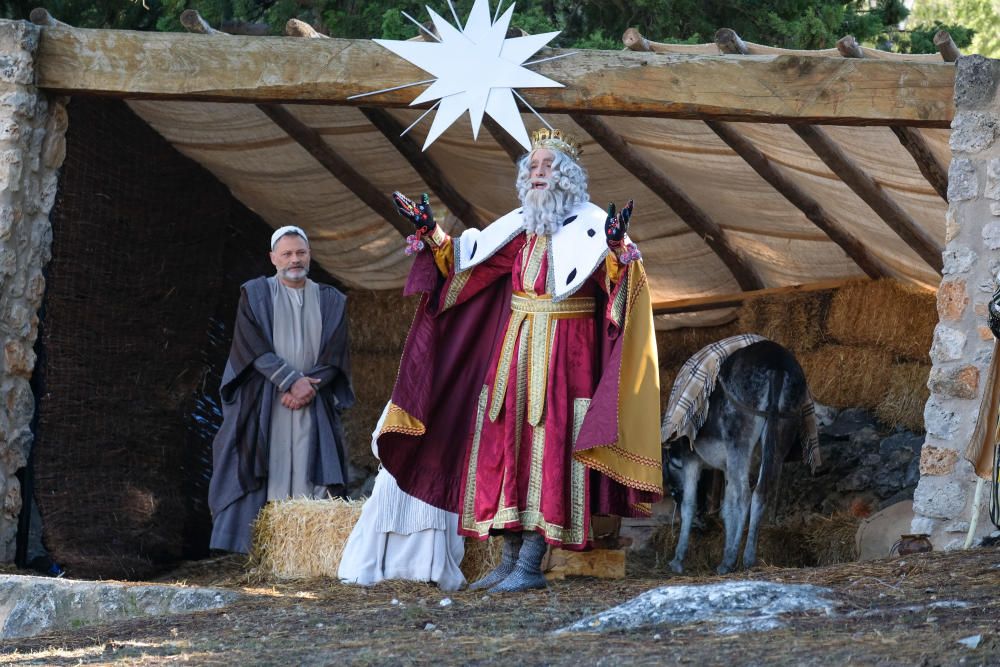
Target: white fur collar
{"x":576,"y":251}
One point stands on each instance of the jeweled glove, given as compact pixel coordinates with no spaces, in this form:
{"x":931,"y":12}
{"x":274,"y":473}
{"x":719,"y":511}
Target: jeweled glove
{"x":418,"y":213}
{"x":616,"y":224}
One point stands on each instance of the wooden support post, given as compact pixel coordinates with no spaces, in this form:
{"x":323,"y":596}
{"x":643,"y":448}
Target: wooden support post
{"x":672,"y":195}
{"x":729,"y":42}
{"x":865,"y":187}
{"x":429,"y":171}
{"x":946,"y":46}
{"x":509,"y":144}
{"x":812,"y":209}
{"x":935,"y":172}
{"x":699,"y":304}
{"x":849,"y":47}
{"x":341,"y":169}
{"x":634,"y":41}
{"x":41,"y":16}
{"x":193,"y":22}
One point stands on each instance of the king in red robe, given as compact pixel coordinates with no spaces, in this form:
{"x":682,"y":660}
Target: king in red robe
{"x":528,"y":392}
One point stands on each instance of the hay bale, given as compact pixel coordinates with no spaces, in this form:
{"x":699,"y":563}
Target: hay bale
{"x":844,"y":377}
{"x":676,"y":346}
{"x":831,"y":540}
{"x":481,"y":556}
{"x":301,"y":538}
{"x":373,"y":375}
{"x":903,"y":403}
{"x":795,"y":320}
{"x":884,"y":314}
{"x":777,"y":546}
{"x":380,"y":320}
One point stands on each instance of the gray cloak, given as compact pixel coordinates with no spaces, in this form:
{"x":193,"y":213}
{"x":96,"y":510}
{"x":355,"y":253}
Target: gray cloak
{"x":238,"y":488}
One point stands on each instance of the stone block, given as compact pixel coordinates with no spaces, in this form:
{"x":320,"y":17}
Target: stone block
{"x":11,"y":499}
{"x":954,"y":382}
{"x":18,"y":359}
{"x":938,"y":498}
{"x":994,"y":210}
{"x":985,"y":333}
{"x":973,"y":131}
{"x":20,"y":402}
{"x":952,"y":297}
{"x":958,"y":259}
{"x":991,"y":235}
{"x":979,"y":309}
{"x":948,"y":344}
{"x":975,"y":82}
{"x":963,"y":182}
{"x":939,"y":421}
{"x":937,"y":460}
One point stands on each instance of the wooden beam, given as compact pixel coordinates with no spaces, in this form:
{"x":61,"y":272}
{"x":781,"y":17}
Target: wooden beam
{"x":509,"y":144}
{"x":946,"y":46}
{"x":731,"y":300}
{"x":770,"y":89}
{"x":935,"y":173}
{"x":634,"y":41}
{"x":928,"y":164}
{"x":672,"y":195}
{"x":813,"y":210}
{"x":195,"y":23}
{"x":872,"y":193}
{"x":427,"y":168}
{"x":313,"y":142}
{"x":40,"y":16}
{"x":297,"y":28}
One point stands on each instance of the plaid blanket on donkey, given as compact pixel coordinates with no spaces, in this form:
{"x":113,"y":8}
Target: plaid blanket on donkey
{"x":687,"y":408}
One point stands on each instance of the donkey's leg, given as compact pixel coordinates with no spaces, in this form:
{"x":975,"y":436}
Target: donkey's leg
{"x":735,"y":503}
{"x":691,"y":472}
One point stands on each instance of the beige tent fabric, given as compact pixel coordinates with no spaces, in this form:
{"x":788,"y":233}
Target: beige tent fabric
{"x":277,"y":178}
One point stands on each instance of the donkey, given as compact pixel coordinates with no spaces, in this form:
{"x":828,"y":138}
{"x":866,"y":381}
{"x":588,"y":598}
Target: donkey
{"x":757,"y":399}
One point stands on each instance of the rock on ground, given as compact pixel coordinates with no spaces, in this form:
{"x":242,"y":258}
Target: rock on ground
{"x":733,"y":606}
{"x":35,"y":605}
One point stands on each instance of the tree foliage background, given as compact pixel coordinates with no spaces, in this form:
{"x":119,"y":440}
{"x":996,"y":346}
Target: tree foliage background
{"x":808,"y":24}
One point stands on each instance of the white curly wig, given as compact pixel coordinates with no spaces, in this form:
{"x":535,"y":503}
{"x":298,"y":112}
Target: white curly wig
{"x":544,"y":210}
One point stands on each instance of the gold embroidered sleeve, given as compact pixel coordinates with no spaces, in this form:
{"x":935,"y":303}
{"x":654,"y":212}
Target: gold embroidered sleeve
{"x":613,"y":267}
{"x":443,"y":249}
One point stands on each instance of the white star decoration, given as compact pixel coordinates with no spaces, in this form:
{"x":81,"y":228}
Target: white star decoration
{"x":475,"y":69}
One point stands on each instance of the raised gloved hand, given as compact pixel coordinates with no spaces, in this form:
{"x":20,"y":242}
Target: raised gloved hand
{"x":418,"y":213}
{"x":616,"y":224}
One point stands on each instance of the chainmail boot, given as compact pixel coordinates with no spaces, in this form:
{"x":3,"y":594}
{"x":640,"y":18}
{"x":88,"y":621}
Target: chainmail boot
{"x":508,"y":559}
{"x":528,"y":572}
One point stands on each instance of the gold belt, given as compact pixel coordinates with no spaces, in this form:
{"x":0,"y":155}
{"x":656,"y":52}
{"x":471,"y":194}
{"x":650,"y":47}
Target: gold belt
{"x":537,"y":312}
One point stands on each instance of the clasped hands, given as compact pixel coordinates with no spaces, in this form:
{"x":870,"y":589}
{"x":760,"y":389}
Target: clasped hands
{"x":300,"y":394}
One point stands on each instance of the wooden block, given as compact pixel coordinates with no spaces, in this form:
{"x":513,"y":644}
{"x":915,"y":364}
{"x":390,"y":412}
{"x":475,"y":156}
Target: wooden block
{"x":601,"y":563}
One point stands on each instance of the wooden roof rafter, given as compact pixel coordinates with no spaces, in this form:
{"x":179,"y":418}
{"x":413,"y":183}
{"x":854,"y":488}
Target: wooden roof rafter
{"x":673,"y":196}
{"x":311,"y":140}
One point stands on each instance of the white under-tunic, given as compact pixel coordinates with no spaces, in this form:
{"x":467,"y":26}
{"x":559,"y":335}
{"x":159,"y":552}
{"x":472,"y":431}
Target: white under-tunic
{"x":400,"y":537}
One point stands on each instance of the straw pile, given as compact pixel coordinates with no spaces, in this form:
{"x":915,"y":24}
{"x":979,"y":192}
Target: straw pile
{"x":795,"y":321}
{"x":301,"y":538}
{"x":903,"y":403}
{"x":481,"y":556}
{"x":844,"y":376}
{"x":678,"y":345}
{"x":831,"y":540}
{"x":884,"y":314}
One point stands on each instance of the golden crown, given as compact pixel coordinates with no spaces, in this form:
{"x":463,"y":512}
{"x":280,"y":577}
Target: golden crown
{"x":556,"y":140}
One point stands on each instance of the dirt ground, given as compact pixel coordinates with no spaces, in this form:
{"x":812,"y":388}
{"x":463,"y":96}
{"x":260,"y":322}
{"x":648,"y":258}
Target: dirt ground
{"x":905,"y":611}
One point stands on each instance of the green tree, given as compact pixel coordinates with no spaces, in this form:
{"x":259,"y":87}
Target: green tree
{"x":979,"y":16}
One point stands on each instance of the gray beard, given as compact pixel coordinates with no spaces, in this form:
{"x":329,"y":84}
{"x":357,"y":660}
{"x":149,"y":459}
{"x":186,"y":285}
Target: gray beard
{"x":544,"y":210}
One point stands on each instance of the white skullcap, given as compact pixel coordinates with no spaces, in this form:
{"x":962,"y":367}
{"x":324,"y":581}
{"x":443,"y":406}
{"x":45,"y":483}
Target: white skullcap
{"x":287,"y":229}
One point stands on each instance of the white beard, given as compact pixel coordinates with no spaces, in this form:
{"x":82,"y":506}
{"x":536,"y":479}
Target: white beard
{"x":544,"y":210}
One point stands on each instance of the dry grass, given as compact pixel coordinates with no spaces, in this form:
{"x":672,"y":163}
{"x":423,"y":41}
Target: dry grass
{"x":795,"y":321}
{"x":831,"y":540}
{"x":903,"y":403}
{"x":843,"y":376}
{"x":678,"y":345}
{"x":884,"y":314}
{"x":380,"y":320}
{"x":373,"y":376}
{"x":481,"y":556}
{"x":300,"y":538}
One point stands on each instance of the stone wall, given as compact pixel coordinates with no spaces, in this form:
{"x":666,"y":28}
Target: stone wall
{"x":32,"y":147}
{"x":963,"y":346}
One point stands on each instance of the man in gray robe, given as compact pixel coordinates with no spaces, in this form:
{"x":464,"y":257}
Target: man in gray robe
{"x":285,"y":383}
